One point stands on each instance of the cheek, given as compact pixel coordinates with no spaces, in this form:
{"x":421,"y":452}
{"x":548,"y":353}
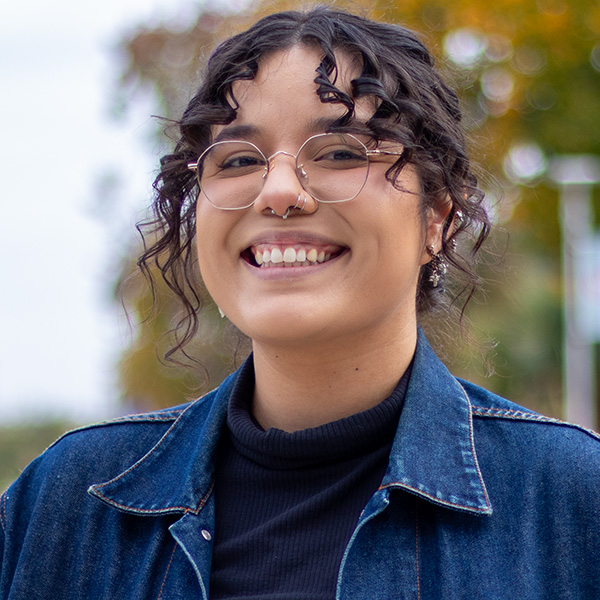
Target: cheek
{"x":218,"y":251}
{"x":213,"y":228}
{"x":209,"y":248}
{"x":402,"y":241}
{"x":204,"y":248}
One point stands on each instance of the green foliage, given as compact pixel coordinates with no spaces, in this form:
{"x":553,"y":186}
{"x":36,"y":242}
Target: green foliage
{"x":20,"y":444}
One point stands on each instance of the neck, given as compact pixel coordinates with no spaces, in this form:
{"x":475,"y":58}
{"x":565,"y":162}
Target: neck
{"x":302,"y":387}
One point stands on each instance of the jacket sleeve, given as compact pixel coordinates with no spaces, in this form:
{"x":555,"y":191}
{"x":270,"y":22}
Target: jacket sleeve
{"x":17,"y":505}
{"x":3,"y":501}
{"x":9,"y":545}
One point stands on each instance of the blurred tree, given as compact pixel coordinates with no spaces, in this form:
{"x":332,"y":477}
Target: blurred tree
{"x":147,"y":380}
{"x":529,"y":78}
{"x":20,"y":444}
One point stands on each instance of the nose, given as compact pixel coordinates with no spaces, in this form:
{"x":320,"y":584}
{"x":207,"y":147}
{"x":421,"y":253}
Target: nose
{"x":282,"y":193}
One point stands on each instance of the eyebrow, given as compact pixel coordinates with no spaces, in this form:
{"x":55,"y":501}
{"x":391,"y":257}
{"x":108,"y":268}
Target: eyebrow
{"x":237,"y":132}
{"x":243,"y":132}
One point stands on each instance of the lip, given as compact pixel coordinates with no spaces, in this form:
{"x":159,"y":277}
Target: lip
{"x":292,"y":237}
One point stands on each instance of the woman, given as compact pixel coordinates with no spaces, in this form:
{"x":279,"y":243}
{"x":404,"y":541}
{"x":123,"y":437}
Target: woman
{"x":322,"y":175}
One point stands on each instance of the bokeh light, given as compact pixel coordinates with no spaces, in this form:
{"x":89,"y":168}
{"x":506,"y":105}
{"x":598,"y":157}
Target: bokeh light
{"x":465,"y":46}
{"x":525,"y":163}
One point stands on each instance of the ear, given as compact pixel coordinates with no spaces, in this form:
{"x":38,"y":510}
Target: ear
{"x":436,"y":217}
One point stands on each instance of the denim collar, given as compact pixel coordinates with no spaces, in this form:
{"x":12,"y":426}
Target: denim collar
{"x":433,"y":455}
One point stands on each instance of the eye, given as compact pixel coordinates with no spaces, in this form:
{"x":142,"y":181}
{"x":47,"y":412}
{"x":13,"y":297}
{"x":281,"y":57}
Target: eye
{"x":340,"y":156}
{"x":232,"y":159}
{"x":242,"y":161}
{"x":346,"y":153}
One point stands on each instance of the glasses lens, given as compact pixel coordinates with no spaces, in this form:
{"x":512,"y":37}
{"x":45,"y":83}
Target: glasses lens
{"x":231,"y":174}
{"x":333,"y":167}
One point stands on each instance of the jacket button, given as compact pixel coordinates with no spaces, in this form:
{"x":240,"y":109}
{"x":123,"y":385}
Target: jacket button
{"x":206,"y":535}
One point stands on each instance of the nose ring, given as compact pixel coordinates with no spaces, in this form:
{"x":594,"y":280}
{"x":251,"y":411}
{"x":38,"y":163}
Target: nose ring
{"x":299,"y":199}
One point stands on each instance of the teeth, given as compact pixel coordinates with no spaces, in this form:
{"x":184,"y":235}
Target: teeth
{"x":276,"y":256}
{"x":290,"y":257}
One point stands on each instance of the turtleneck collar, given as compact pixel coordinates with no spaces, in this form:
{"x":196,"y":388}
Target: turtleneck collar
{"x":346,"y":438}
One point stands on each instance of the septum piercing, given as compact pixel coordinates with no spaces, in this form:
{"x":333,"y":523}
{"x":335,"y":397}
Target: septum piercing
{"x":290,"y":208}
{"x":285,"y":215}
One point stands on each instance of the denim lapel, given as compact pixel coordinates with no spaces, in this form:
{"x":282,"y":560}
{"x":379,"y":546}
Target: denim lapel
{"x":433,"y":455}
{"x":176,"y":475}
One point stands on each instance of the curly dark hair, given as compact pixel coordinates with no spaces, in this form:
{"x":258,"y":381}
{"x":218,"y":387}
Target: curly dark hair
{"x":415,"y":108}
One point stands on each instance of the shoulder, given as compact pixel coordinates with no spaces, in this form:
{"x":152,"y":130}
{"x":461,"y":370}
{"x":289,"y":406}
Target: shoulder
{"x":94,"y":453}
{"x":513,"y":437}
{"x":489,"y":406}
{"x":107,"y":444}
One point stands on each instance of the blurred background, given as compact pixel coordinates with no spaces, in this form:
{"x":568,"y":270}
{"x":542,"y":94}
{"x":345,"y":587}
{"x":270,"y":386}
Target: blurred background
{"x":81,"y":85}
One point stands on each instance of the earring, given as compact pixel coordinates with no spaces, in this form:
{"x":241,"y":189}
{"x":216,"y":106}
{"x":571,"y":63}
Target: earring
{"x":221,"y":312}
{"x":438,"y":267}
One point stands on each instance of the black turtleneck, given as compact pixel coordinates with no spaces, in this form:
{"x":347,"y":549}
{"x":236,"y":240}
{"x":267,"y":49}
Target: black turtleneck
{"x":287,"y":503}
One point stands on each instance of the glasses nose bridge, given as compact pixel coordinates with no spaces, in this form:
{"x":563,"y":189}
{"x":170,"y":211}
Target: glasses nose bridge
{"x":284,"y":153}
{"x":270,"y":159}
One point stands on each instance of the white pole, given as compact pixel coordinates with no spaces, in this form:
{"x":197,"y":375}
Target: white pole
{"x":575,"y":176}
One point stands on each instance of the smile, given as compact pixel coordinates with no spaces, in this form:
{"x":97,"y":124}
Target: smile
{"x":267,"y":256}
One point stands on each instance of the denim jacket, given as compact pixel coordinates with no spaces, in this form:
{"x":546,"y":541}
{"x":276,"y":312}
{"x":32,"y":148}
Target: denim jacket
{"x":481,"y":499}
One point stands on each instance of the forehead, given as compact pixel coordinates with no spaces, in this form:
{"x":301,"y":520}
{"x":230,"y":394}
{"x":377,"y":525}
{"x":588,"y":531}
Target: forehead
{"x":283,"y":93}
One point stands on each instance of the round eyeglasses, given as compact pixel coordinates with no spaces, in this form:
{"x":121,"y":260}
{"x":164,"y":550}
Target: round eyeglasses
{"x":331,"y":167}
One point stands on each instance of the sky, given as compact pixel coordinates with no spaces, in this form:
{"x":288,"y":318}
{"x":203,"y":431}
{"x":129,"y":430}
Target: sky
{"x":61,"y":234}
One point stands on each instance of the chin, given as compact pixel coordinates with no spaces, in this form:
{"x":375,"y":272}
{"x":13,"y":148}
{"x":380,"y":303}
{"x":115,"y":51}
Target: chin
{"x":285,"y":327}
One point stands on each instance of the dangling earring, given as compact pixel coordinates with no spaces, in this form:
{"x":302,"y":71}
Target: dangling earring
{"x":438,"y":268}
{"x":221,"y":312}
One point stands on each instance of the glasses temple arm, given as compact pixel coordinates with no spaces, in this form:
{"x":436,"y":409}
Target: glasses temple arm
{"x":383,"y":153}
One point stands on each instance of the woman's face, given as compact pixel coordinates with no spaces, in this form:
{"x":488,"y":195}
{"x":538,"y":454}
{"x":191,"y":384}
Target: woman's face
{"x":376,"y":242}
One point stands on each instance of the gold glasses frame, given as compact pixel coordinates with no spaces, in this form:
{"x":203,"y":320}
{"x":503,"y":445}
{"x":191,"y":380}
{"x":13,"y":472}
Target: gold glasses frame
{"x":299,"y":169}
